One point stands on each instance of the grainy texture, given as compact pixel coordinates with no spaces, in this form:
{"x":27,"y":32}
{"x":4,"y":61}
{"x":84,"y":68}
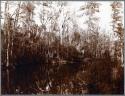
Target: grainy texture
{"x":51,"y":59}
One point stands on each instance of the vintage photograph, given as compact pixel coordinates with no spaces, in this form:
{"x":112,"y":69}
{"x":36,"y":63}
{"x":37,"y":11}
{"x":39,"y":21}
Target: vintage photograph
{"x":62,"y":47}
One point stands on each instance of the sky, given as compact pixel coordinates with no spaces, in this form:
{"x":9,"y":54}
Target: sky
{"x":104,"y":15}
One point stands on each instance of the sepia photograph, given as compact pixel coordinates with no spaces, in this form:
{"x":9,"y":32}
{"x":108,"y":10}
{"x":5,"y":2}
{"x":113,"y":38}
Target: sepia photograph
{"x":62,"y":47}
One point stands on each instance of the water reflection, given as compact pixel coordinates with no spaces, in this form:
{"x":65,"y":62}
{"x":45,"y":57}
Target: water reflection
{"x":36,"y":79}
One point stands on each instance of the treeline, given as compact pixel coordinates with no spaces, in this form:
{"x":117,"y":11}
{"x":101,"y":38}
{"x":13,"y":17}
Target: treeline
{"x":72,"y":61}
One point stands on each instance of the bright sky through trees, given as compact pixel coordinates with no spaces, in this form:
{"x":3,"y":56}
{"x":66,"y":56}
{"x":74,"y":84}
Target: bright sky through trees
{"x":74,"y":7}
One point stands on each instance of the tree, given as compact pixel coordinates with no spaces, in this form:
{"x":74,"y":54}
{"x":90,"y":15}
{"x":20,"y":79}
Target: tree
{"x":118,"y":29}
{"x":27,"y":10}
{"x":119,"y":34}
{"x":91,"y":9}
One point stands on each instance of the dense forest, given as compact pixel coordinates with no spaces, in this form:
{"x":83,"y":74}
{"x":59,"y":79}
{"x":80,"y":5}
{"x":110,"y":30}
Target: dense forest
{"x":57,"y":56}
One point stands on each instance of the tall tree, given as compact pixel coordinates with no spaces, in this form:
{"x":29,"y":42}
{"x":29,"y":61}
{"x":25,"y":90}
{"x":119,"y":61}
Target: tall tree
{"x":8,"y":29}
{"x":27,"y":10}
{"x":117,"y":24}
{"x":118,"y":29}
{"x":91,"y":9}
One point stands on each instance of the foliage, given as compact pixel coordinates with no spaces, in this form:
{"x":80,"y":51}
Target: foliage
{"x":47,"y":59}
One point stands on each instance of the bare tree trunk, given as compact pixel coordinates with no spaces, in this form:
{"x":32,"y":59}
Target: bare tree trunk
{"x":7,"y":33}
